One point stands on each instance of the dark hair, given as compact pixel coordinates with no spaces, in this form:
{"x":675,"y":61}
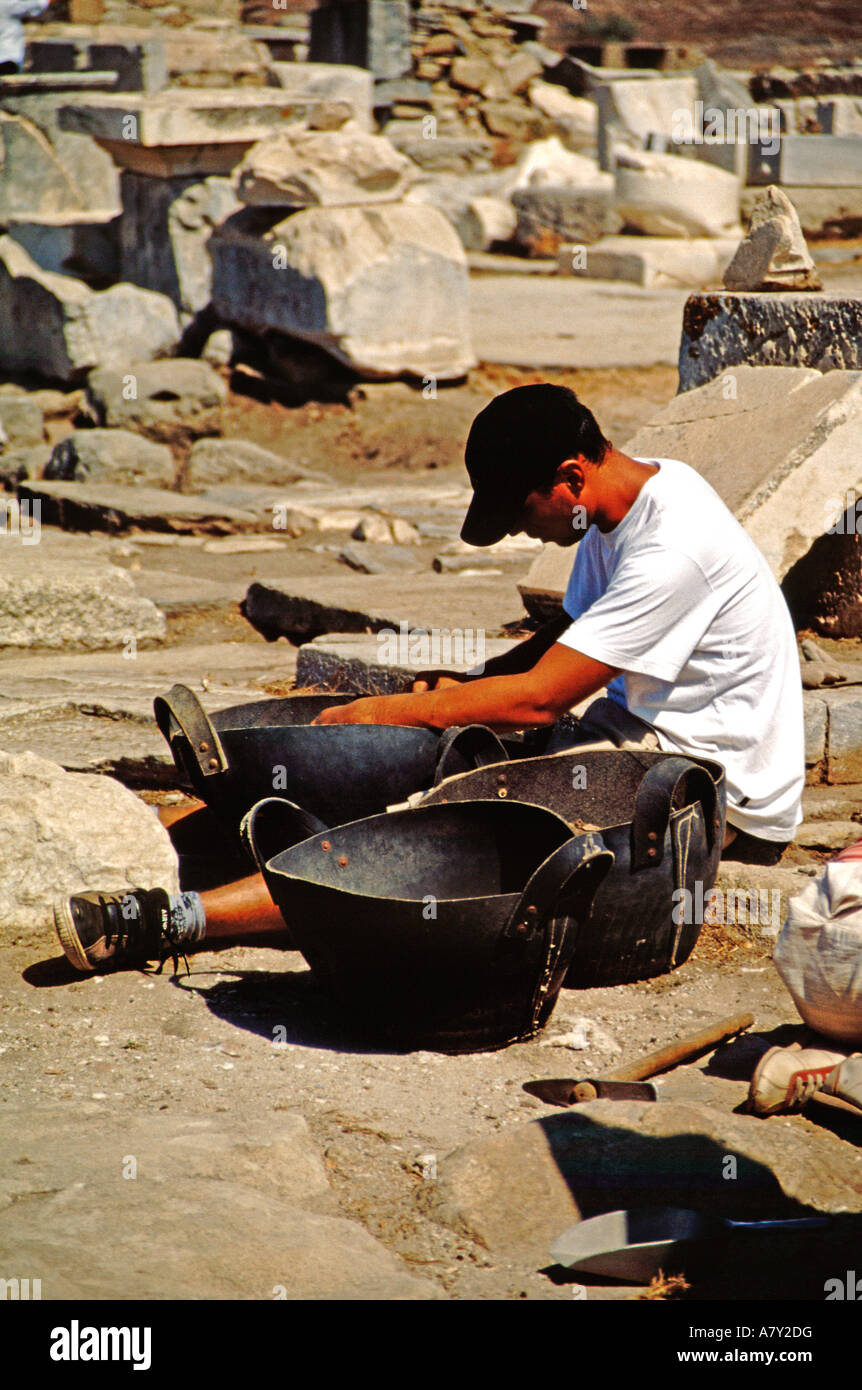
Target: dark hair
{"x":533,"y":428}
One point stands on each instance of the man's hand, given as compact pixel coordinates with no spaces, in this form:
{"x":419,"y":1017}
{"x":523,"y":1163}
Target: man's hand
{"x":370,"y":710}
{"x":432,"y":682}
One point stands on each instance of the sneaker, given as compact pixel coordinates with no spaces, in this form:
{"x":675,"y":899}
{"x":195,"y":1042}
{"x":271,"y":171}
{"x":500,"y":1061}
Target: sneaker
{"x":109,"y":930}
{"x":786,"y":1078}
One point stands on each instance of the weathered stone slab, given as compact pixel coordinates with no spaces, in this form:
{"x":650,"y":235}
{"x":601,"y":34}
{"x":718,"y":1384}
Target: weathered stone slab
{"x":361,"y":664}
{"x":115,"y":508}
{"x":816,"y":720}
{"x":329,"y":82}
{"x":38,"y":183}
{"x":214,"y":461}
{"x":518,"y":1190}
{"x":663,"y":195}
{"x":160,"y":399}
{"x":653,"y":262}
{"x":304,"y":609}
{"x":88,"y":250}
{"x":59,"y":328}
{"x":110,"y":456}
{"x":49,"y":603}
{"x":89,"y":831}
{"x":137,"y":57}
{"x":383,"y":289}
{"x":723,"y":331}
{"x":164,"y":231}
{"x":323,"y":168}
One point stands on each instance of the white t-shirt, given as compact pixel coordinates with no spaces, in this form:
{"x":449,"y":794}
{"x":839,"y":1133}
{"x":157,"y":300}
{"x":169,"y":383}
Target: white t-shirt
{"x":680,"y":599}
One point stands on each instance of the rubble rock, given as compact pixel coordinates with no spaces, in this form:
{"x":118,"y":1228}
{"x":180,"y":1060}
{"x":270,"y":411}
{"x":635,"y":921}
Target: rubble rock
{"x":653,"y":262}
{"x":517,"y":1190}
{"x":773,"y":256}
{"x":663,"y":195}
{"x":48,"y":603}
{"x":115,"y":456}
{"x":383,"y":289}
{"x":306,"y":168}
{"x":219,"y":348}
{"x":214,"y":461}
{"x":513,"y":120}
{"x":58,"y":328}
{"x":547,"y":163}
{"x":575,"y":118}
{"x":722,"y":331}
{"x":158,"y":398}
{"x":443,"y":154}
{"x":63,"y":833}
{"x":22,"y":421}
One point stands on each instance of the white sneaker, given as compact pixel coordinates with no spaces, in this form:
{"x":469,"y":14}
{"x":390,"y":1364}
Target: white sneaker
{"x":786,"y":1077}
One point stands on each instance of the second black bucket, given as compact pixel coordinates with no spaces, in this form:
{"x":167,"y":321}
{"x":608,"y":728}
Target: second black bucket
{"x":447,"y":927}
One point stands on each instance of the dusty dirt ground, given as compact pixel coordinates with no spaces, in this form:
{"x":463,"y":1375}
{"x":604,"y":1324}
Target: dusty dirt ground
{"x":247,"y":1039}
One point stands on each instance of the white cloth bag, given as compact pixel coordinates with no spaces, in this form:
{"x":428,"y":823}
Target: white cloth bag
{"x":819,"y":951}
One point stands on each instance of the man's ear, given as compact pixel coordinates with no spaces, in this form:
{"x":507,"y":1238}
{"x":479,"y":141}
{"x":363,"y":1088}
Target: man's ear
{"x":572,"y":472}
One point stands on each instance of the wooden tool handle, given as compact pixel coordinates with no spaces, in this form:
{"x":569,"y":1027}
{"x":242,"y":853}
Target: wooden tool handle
{"x":682,"y":1051}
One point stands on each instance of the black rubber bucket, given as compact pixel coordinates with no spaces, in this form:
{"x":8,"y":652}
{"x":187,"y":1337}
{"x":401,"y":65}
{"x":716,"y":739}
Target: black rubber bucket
{"x":447,"y":927}
{"x":663,"y":817}
{"x":338,"y":772}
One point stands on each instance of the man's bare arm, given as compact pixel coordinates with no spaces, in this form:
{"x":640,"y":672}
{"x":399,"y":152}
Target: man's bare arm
{"x":559,"y":680}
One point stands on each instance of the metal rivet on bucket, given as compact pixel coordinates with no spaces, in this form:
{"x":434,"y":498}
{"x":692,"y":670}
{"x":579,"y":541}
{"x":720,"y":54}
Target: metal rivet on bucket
{"x":325,"y":844}
{"x":343,"y":861}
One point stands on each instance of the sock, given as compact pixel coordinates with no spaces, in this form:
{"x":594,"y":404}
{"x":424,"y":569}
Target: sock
{"x":187,"y":916}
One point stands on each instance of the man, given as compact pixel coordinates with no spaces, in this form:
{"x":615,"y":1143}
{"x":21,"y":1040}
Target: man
{"x":670,"y":606}
{"x":12,"y":45}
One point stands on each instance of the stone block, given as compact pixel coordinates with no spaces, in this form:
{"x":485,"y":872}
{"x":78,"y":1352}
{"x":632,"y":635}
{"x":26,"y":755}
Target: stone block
{"x":486,"y":221}
{"x":89,"y":830}
{"x":373,"y":34}
{"x":721,"y":331}
{"x":51,"y":182}
{"x":214,"y":461}
{"x":138,"y":61}
{"x":88,"y":250}
{"x":840,"y":115}
{"x":330,"y":82}
{"x":631,"y":111}
{"x":382,"y":289}
{"x":548,"y":217}
{"x":50,"y":603}
{"x":183,"y":130}
{"x":816,"y":718}
{"x":575,"y":119}
{"x":820,"y":161}
{"x":59,"y":328}
{"x":163,"y":235}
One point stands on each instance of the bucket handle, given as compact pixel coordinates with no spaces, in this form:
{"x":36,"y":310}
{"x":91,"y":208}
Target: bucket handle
{"x":476,"y":744}
{"x":181,"y":707}
{"x":653,"y":802}
{"x":296,"y":825}
{"x":549,"y":880}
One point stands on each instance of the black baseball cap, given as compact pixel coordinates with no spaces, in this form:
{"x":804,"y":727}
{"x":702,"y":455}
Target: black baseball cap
{"x":515,"y":445}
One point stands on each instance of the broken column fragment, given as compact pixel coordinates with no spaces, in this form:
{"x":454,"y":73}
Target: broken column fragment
{"x":773,"y":256}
